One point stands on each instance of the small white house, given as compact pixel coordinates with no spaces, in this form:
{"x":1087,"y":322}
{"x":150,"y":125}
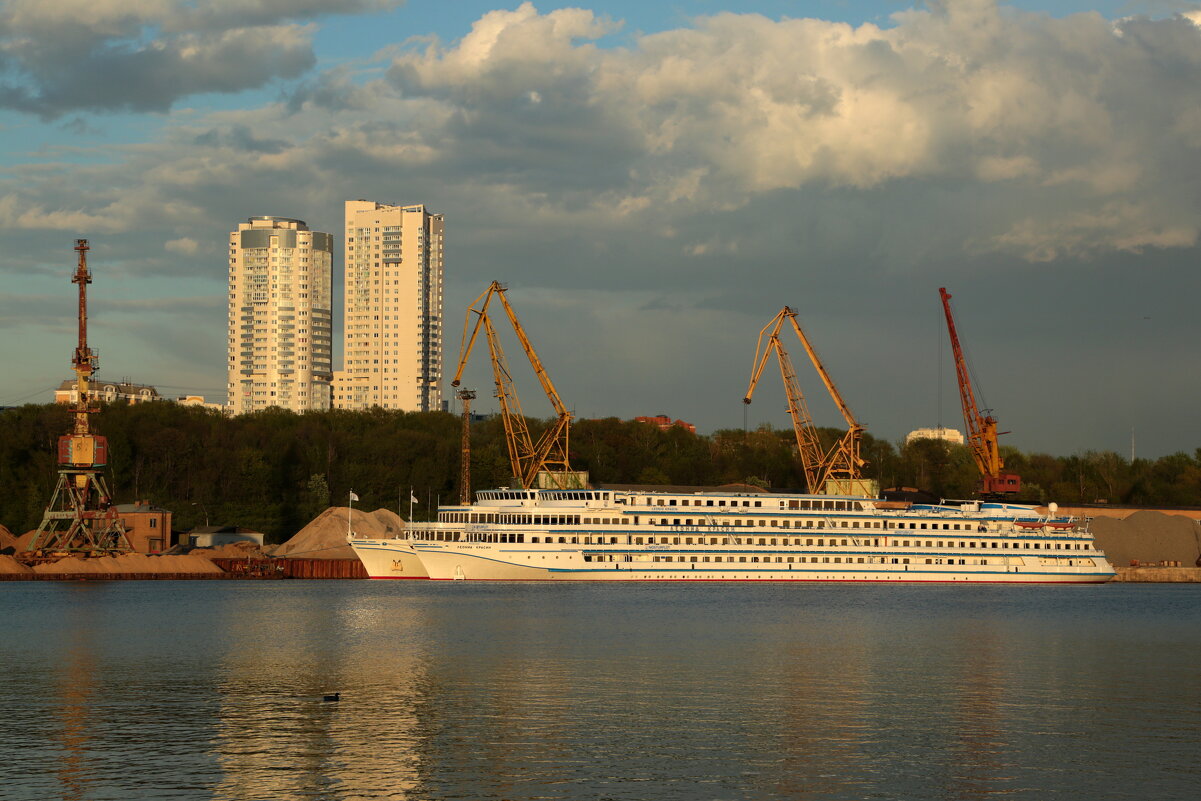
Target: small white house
{"x":216,"y":536}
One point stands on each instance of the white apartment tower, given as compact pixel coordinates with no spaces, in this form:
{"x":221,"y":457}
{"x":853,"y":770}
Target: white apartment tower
{"x":393,"y":320}
{"x":280,"y":327}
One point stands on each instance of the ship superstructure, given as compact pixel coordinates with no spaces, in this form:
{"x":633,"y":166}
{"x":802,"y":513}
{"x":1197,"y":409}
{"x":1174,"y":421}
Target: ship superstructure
{"x":617,"y":535}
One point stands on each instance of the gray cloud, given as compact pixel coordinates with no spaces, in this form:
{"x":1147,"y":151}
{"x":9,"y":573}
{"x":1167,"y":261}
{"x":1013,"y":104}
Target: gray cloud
{"x":118,"y":55}
{"x":666,"y":198}
{"x":239,"y":137}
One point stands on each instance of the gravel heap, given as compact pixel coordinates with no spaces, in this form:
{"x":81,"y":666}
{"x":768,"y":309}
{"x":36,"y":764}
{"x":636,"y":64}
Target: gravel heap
{"x":10,"y":565}
{"x":1147,"y":537}
{"x":129,"y":563}
{"x":325,"y":537}
{"x":7,"y":539}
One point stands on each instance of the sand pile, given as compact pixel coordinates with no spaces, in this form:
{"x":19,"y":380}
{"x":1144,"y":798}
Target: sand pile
{"x":10,"y":565}
{"x":234,"y":550}
{"x":24,"y":540}
{"x":1147,"y":537}
{"x":325,"y":537}
{"x":7,"y":540}
{"x":130,"y":563}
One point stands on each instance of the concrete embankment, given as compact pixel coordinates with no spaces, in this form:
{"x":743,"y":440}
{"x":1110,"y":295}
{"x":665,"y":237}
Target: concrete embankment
{"x":1172,"y":575}
{"x":179,"y":567}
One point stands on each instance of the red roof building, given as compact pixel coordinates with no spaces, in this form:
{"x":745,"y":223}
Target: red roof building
{"x":664,"y":422}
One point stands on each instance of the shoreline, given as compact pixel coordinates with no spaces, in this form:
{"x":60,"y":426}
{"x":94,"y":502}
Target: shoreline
{"x":261,"y":569}
{"x":1124,"y":575}
{"x":1158,"y":575}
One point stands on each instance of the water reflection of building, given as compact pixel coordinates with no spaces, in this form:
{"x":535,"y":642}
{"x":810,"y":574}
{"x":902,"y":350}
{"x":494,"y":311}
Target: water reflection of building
{"x":276,"y":737}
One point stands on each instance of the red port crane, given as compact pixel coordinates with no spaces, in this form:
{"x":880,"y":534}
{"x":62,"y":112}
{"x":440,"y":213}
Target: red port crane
{"x":981,"y":428}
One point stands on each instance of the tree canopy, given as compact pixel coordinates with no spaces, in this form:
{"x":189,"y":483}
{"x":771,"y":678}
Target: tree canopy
{"x":274,"y":470}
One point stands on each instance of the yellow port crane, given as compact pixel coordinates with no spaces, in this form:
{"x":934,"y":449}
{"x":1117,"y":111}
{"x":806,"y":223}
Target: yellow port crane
{"x":529,"y":459}
{"x":834,"y":471}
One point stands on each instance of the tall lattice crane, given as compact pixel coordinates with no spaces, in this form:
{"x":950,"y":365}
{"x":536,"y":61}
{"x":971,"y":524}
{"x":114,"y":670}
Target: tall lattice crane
{"x":981,"y":427}
{"x":839,"y":469}
{"x":80,"y":517}
{"x":530,"y":460}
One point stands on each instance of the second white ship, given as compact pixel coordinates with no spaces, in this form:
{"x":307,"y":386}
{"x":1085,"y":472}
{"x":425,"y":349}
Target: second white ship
{"x":616,"y":535}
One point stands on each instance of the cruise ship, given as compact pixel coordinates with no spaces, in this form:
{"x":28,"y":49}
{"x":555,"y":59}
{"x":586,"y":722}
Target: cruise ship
{"x":637,"y":535}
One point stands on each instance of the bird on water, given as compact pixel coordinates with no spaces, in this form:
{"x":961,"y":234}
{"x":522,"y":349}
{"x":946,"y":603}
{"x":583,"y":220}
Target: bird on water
{"x":334,"y":697}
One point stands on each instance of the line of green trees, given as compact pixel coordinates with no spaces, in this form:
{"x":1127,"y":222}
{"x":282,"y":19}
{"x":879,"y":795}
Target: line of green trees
{"x":274,"y":471}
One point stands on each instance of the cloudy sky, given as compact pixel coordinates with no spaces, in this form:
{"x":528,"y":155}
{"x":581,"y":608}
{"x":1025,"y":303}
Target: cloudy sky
{"x":653,"y":181}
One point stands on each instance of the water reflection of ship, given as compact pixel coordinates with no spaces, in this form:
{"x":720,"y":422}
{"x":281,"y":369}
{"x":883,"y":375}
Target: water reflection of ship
{"x":842,"y":704}
{"x":827,"y":716}
{"x":980,"y":744}
{"x":277,"y":738}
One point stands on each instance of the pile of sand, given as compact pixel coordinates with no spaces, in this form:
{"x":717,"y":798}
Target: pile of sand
{"x":325,"y":537}
{"x":233,"y":550}
{"x":26,"y":538}
{"x":1148,"y":537}
{"x":130,"y":563}
{"x":7,"y":540}
{"x":10,"y":565}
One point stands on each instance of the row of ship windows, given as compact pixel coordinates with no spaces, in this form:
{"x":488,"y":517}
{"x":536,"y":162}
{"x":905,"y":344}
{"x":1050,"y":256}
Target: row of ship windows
{"x":861,"y":560}
{"x":882,"y":524}
{"x":821,"y":542}
{"x":576,"y":520}
{"x":832,"y":506}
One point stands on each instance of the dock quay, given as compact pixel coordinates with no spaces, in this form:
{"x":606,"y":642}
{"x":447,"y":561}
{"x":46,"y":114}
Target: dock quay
{"x":225,"y":570}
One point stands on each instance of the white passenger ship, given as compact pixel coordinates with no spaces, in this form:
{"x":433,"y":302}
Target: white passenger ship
{"x":620,"y":535}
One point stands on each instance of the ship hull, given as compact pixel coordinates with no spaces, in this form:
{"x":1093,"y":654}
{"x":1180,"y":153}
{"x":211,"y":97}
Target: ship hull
{"x":490,"y":565}
{"x":389,"y":559}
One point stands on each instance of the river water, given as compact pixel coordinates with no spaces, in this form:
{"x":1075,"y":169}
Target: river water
{"x":213,"y":690}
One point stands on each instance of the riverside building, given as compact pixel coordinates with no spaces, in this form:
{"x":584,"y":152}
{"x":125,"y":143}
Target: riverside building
{"x":280,"y":305}
{"x":393,"y":308}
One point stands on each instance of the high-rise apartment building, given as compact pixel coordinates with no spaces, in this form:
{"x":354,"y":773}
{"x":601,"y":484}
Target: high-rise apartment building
{"x":280,"y":327}
{"x":393,"y":320}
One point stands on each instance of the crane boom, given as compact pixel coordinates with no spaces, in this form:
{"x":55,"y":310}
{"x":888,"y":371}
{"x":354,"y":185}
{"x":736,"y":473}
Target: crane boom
{"x":838,"y":468}
{"x":981,"y":428}
{"x":808,"y":445}
{"x":847,"y":462}
{"x":527,"y":458}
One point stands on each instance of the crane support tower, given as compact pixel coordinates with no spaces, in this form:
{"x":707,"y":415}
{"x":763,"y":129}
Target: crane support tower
{"x":542,"y":464}
{"x":839,"y":470}
{"x":981,"y":427}
{"x":80,"y":518}
{"x":466,"y":396}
